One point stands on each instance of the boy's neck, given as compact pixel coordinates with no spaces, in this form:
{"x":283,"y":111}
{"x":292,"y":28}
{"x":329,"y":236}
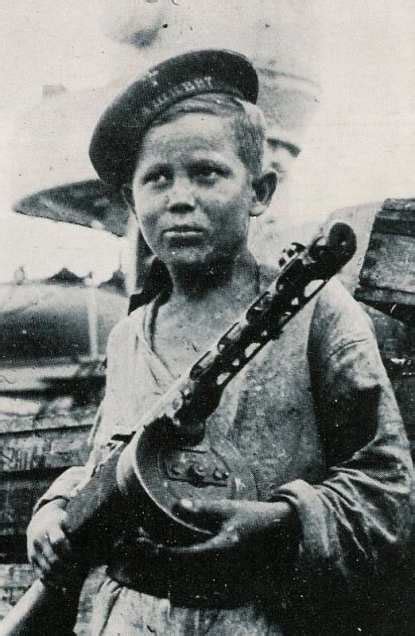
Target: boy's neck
{"x":199,"y":285}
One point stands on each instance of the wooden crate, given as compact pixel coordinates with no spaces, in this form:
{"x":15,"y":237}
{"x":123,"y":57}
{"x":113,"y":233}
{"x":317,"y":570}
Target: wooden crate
{"x":32,"y":453}
{"x":387,"y":278}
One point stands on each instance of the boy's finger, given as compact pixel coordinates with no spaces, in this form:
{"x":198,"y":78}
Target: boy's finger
{"x":215,"y":509}
{"x":53,"y":572}
{"x":49,"y":552}
{"x":60,"y":542}
{"x":41,"y":566}
{"x":222,"y":542}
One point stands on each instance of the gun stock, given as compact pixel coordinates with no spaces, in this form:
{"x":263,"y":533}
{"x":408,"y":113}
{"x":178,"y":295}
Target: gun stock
{"x":43,"y":611}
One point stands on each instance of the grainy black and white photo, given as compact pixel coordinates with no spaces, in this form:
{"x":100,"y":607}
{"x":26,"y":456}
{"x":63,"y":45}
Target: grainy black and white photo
{"x":207,"y":342}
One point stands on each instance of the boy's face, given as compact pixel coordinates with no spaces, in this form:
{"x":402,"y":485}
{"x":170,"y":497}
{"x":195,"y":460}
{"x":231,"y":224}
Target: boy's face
{"x":192,"y":193}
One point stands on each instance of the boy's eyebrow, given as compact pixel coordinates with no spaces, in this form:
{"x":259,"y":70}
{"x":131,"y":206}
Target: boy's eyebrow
{"x":212,"y":157}
{"x":152,"y":167}
{"x":148,"y":167}
{"x":209,"y":161}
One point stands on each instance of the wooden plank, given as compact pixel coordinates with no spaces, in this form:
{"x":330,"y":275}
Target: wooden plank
{"x":32,"y":454}
{"x":387,"y":277}
{"x":17,"y":498}
{"x":400,"y":204}
{"x":385,"y":299}
{"x":40,"y":375}
{"x":396,"y":220}
{"x":390,"y":263}
{"x":73,"y":418}
{"x":390,"y":225}
{"x":14,"y":580}
{"x":16,"y":576}
{"x":45,"y":450}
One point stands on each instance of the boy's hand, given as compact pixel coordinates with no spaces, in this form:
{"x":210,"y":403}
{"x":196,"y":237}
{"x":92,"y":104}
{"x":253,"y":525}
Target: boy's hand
{"x":48,"y":547}
{"x":256,"y":529}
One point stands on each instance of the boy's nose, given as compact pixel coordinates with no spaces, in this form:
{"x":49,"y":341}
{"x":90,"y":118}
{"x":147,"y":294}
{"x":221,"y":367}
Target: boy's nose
{"x":180,"y":197}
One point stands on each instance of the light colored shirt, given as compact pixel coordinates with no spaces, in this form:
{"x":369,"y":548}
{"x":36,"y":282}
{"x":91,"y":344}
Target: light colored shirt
{"x":314,"y":416}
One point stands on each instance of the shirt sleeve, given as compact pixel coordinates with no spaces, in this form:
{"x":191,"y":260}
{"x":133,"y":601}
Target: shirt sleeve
{"x":356,"y":522}
{"x":106,"y":422}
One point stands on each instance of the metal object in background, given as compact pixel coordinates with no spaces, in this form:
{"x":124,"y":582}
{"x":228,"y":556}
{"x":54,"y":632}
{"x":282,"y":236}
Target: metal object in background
{"x":89,"y":203}
{"x":387,"y":277}
{"x":52,"y":329}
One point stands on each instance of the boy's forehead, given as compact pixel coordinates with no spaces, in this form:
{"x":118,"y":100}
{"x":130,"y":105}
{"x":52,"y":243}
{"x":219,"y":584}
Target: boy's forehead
{"x":119,"y":132}
{"x":193,"y":134}
{"x":193,"y":126}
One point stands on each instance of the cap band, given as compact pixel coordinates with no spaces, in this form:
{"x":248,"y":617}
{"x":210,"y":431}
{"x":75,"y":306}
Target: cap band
{"x":187,"y":88}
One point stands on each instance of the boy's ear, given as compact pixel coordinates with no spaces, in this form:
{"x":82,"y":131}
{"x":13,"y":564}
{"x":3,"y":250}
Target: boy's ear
{"x":264,"y":187}
{"x":127,"y":194}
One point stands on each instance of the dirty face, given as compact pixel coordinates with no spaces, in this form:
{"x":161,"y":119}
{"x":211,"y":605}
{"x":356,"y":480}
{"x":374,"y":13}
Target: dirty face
{"x":193,"y":195}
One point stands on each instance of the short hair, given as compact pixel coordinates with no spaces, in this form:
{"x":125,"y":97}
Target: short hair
{"x":247,"y":123}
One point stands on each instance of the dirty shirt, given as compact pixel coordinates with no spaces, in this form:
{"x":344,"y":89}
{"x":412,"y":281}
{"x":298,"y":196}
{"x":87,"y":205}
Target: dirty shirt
{"x":315,"y":418}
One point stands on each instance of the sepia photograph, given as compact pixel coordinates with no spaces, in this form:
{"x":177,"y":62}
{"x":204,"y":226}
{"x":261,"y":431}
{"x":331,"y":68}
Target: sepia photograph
{"x":207,"y":342}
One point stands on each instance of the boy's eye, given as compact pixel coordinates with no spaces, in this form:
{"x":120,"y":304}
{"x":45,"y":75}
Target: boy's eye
{"x":156,"y":177}
{"x":207,"y":172}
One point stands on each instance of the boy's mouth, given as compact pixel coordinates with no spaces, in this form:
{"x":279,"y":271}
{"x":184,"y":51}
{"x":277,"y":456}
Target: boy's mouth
{"x":180,"y":230}
{"x":182,"y":235}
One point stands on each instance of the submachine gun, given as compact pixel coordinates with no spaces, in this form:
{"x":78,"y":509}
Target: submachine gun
{"x":171,"y":455}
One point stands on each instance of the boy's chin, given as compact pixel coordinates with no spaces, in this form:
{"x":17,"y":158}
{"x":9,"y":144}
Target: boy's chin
{"x":189,"y":259}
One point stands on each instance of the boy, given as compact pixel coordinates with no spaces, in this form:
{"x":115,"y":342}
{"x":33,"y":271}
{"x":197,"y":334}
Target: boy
{"x":313,"y":414}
